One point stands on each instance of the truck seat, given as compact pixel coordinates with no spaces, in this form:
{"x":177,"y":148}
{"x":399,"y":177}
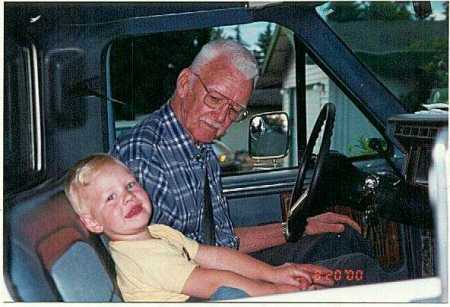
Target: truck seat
{"x":50,"y":255}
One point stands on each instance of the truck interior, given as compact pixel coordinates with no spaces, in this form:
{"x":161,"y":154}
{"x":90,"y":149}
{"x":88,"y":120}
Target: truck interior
{"x":76,"y":75}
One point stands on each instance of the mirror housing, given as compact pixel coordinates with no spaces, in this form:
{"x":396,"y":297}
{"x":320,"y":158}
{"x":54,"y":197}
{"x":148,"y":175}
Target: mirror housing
{"x":268,"y":135}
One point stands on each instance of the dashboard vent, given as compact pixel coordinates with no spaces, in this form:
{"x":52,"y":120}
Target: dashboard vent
{"x":422,"y":132}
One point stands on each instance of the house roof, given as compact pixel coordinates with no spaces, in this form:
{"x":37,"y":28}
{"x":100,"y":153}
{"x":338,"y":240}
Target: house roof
{"x":276,"y":60}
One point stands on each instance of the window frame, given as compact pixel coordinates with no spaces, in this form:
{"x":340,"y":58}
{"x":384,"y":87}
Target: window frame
{"x":300,"y":103}
{"x":26,"y":50}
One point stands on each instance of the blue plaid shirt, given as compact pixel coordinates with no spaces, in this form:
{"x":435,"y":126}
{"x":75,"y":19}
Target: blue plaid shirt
{"x":171,"y":168}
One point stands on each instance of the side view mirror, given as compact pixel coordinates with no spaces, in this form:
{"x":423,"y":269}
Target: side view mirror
{"x":269,"y":135}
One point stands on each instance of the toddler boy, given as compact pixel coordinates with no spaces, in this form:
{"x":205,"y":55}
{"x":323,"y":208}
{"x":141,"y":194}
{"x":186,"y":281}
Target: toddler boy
{"x":158,"y":263}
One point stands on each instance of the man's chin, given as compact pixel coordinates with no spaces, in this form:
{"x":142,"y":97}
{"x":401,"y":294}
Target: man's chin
{"x":205,"y":139}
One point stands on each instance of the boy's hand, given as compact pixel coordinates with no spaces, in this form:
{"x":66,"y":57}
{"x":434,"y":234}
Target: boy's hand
{"x":301,"y":276}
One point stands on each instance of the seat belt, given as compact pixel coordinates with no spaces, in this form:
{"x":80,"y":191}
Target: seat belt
{"x":208,"y":216}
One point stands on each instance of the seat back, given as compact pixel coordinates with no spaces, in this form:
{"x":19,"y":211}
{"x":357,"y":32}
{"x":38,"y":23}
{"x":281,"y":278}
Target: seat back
{"x":50,"y":255}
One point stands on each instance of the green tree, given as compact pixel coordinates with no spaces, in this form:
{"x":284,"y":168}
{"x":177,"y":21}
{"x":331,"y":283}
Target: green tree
{"x":263,"y":43}
{"x":432,"y":71}
{"x":384,"y":10}
{"x":445,"y":5}
{"x":344,"y":11}
{"x":217,"y":33}
{"x":362,"y":147}
{"x":238,"y":37}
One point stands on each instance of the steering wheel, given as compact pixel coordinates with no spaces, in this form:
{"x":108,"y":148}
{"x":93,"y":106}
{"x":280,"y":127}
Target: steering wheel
{"x":301,"y":206}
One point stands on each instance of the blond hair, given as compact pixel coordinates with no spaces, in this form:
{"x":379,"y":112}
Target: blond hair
{"x":79,"y":177}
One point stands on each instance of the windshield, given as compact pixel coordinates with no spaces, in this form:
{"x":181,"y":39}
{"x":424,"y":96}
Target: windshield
{"x":407,"y":53}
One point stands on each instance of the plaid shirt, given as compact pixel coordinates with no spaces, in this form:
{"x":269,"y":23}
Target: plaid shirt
{"x":171,"y":169}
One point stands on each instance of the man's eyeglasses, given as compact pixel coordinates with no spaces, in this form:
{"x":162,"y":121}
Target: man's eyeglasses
{"x":215,"y":100}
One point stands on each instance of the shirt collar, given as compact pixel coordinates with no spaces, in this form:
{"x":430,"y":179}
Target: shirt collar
{"x":179,"y":139}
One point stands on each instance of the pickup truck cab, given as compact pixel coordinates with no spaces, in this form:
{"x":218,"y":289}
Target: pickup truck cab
{"x":76,"y":74}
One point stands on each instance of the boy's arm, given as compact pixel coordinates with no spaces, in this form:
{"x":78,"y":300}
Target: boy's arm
{"x":226,"y":259}
{"x":202,"y":283}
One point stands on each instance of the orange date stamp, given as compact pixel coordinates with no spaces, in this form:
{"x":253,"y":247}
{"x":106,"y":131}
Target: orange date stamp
{"x":338,"y":275}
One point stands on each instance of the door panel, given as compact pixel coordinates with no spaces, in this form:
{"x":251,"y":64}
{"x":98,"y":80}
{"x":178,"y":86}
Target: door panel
{"x":255,"y":210}
{"x":257,"y":198}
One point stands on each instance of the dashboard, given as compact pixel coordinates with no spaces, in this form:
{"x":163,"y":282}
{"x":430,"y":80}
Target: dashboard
{"x":417,"y":133}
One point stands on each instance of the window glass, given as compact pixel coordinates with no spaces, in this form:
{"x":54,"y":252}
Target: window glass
{"x":19,"y":159}
{"x":352,"y":130}
{"x":407,"y":53}
{"x":144,"y":70}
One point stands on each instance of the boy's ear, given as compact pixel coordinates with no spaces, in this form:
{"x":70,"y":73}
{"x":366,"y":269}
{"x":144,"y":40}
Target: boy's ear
{"x":183,"y":82}
{"x":91,"y":223}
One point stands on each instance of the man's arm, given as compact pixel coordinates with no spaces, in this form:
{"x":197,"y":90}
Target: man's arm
{"x":256,"y":238}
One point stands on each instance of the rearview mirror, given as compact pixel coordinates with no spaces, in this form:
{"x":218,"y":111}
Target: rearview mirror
{"x":268,"y":135}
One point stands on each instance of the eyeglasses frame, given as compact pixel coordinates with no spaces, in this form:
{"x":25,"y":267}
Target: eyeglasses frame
{"x":242,"y":114}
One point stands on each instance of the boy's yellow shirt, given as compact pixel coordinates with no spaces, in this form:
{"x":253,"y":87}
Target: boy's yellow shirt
{"x":154,"y":270}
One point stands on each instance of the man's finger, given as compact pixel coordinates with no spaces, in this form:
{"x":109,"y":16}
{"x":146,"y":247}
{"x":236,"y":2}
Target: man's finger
{"x":335,"y":218}
{"x":315,"y":227}
{"x":332,"y":217}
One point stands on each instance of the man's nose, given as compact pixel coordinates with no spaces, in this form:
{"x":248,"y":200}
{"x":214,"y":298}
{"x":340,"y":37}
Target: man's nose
{"x":222,"y":112}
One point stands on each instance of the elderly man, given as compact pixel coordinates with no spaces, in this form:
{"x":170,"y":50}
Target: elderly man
{"x":170,"y":153}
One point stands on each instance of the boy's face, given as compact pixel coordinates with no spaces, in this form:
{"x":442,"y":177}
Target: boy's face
{"x":119,"y":206}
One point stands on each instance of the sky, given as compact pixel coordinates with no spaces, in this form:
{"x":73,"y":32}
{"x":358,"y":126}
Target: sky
{"x":249,"y":32}
{"x":438,"y":10}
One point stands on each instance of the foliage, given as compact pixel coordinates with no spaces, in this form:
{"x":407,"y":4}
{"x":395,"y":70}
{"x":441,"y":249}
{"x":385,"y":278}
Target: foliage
{"x":345,"y":11}
{"x":446,"y":9}
{"x":388,"y":11}
{"x":217,"y":33}
{"x":432,"y":73}
{"x":238,"y":37}
{"x":423,"y":64}
{"x":264,"y":39}
{"x":361,"y":148}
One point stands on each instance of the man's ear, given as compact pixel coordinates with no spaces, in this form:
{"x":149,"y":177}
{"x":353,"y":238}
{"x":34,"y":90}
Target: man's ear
{"x":183,"y":86}
{"x":91,"y":223}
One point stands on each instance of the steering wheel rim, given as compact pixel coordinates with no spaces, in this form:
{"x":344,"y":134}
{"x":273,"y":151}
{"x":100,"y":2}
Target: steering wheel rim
{"x":301,"y":207}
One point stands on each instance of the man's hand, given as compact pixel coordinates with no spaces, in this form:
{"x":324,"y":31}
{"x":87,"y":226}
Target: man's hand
{"x":329,"y":222}
{"x":301,"y":276}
